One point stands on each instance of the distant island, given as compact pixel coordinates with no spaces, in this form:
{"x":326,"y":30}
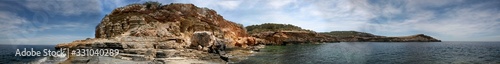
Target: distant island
{"x":184,"y":33}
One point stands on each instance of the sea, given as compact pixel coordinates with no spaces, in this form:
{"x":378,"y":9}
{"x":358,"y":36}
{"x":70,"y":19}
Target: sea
{"x":8,"y":55}
{"x":451,"y":52}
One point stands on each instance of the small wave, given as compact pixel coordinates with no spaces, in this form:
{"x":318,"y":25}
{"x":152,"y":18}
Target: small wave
{"x":39,"y":61}
{"x":49,"y":60}
{"x":61,"y":55}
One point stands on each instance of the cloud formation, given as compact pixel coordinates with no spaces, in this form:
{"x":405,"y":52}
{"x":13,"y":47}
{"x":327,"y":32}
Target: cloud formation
{"x":450,"y":19}
{"x":46,"y":22}
{"x":64,"y":7}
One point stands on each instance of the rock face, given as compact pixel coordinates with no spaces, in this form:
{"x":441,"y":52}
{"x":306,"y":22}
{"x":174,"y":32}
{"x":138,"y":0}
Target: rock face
{"x":153,"y":32}
{"x":168,"y":21}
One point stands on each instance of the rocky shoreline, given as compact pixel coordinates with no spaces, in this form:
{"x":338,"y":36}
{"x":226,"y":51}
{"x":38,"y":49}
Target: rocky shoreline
{"x":184,"y":33}
{"x":298,"y":37}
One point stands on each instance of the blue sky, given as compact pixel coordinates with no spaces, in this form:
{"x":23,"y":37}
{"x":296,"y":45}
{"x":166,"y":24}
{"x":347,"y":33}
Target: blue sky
{"x":51,"y":22}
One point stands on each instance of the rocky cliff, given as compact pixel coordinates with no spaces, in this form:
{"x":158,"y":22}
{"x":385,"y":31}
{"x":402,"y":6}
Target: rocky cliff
{"x":156,"y":33}
{"x":354,"y":36}
{"x":278,"y":34}
{"x":291,"y":37}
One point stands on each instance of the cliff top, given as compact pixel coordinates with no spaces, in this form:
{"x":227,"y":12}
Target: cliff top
{"x":349,"y":34}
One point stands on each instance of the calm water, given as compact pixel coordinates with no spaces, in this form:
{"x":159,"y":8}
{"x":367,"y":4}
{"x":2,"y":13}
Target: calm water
{"x":380,"y":53}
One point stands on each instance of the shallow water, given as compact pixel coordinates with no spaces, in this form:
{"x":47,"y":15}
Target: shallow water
{"x":380,"y":53}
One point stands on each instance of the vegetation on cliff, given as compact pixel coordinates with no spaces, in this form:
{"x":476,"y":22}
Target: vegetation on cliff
{"x":273,"y":27}
{"x":286,"y":33}
{"x":341,"y":34}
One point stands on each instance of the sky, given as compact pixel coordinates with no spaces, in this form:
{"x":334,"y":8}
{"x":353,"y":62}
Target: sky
{"x":50,"y":22}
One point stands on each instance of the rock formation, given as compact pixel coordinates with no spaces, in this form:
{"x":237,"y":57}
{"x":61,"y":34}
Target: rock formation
{"x":278,"y":34}
{"x":157,"y":33}
{"x":291,"y":37}
{"x":273,"y":27}
{"x":354,"y":36}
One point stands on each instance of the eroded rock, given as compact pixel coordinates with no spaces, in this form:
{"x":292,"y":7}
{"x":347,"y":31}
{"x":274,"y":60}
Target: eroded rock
{"x":145,"y":33}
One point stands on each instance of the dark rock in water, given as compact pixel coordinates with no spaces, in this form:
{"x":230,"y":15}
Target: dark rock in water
{"x":257,"y":50}
{"x":224,"y":58}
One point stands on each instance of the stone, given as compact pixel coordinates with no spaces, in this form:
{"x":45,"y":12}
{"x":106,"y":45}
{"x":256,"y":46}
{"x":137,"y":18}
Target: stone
{"x":203,"y":39}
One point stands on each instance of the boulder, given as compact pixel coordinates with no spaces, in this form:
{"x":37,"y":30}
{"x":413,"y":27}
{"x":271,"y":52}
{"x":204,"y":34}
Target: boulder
{"x":202,"y":40}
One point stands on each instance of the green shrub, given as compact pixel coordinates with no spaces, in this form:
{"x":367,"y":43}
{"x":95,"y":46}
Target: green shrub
{"x":272,"y":27}
{"x":348,"y":34}
{"x":152,"y":4}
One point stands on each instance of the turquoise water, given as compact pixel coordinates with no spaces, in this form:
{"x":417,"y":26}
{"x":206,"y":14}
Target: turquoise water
{"x":380,"y":53}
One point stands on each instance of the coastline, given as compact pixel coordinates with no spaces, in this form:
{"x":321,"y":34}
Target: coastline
{"x":180,"y":33}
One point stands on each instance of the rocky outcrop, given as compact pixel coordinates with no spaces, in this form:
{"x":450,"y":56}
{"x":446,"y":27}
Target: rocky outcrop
{"x":168,"y":21}
{"x":152,"y":32}
{"x":297,"y":37}
{"x":413,"y":38}
{"x":354,"y":36}
{"x":292,"y":37}
{"x":273,"y":27}
{"x":279,"y":34}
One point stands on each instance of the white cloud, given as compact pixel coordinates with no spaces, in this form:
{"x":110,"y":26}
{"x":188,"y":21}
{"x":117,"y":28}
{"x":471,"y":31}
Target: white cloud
{"x":339,"y":14}
{"x":11,"y":23}
{"x":19,"y":30}
{"x":276,"y":4}
{"x":463,"y":22}
{"x":453,"y":23}
{"x":417,"y":5}
{"x":65,"y":7}
{"x":229,"y":4}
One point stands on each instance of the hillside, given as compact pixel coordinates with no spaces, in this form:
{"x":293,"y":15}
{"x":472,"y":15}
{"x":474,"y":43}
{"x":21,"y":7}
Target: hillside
{"x":286,"y":33}
{"x":341,"y":34}
{"x":266,"y":27}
